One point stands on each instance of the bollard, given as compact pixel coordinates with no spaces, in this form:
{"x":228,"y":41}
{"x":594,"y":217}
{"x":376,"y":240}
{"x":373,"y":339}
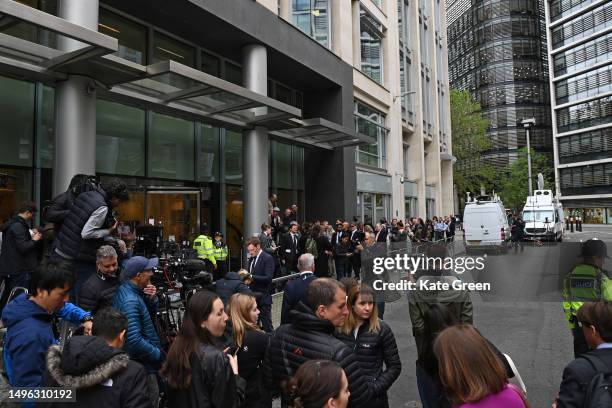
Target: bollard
{"x":571,"y":225}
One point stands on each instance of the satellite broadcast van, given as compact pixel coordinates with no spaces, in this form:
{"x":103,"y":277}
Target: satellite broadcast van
{"x":485,"y":224}
{"x":543,"y":217}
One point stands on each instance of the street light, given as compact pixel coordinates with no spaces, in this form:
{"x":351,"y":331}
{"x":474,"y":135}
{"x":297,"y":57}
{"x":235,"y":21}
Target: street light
{"x":527,"y":124}
{"x":403,"y":94}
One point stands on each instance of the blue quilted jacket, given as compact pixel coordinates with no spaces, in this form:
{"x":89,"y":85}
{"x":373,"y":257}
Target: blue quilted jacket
{"x":141,"y":339}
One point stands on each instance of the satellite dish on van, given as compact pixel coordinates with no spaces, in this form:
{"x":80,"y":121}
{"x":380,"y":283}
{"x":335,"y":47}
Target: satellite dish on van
{"x":540,"y":181}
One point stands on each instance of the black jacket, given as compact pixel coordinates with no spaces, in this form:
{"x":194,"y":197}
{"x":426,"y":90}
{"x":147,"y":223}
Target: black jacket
{"x":19,"y":252}
{"x":250,"y":362}
{"x":101,"y":375}
{"x":213,"y":384}
{"x":294,"y":292}
{"x":230,"y":284}
{"x":59,"y":209}
{"x":576,"y":378}
{"x":289,"y":249}
{"x":374,"y":349}
{"x":97,"y":292}
{"x":311,"y":338}
{"x":69,"y":240}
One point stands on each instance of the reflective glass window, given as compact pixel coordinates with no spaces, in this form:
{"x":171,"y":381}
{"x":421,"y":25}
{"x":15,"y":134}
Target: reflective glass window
{"x":371,"y":46}
{"x":132,"y":37}
{"x":171,"y":148}
{"x":45,"y":144}
{"x":208,"y":153}
{"x":120,"y":139}
{"x":233,"y":157}
{"x":16,"y":122}
{"x":312,"y":18}
{"x":166,"y":48}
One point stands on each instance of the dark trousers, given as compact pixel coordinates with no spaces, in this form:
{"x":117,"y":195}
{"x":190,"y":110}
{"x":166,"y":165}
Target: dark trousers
{"x":429,"y":390}
{"x":356,"y":265}
{"x":11,"y":282}
{"x":342,"y":269}
{"x":265,"y":318}
{"x":221,"y":270}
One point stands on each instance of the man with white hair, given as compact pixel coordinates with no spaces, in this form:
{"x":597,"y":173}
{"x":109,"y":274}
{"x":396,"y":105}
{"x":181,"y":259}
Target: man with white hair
{"x":295,"y":291}
{"x":97,"y":292}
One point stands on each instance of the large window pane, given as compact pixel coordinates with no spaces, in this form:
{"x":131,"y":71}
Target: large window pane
{"x":46,"y":129}
{"x":208,"y":153}
{"x":233,"y":157}
{"x":210,"y":64}
{"x":371,"y":122}
{"x":15,"y":187}
{"x":312,"y":18}
{"x":281,"y":165}
{"x":171,"y":148}
{"x":120,"y":139}
{"x":166,"y":48}
{"x":233,"y":73}
{"x":371,"y":46}
{"x":16,"y":122}
{"x":132,"y":37}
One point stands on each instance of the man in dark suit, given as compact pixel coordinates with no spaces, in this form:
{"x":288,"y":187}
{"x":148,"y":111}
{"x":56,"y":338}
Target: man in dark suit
{"x":290,"y":248}
{"x":337,"y":236}
{"x":295,"y":291}
{"x":261,"y":268}
{"x":595,"y":319}
{"x":381,"y":231}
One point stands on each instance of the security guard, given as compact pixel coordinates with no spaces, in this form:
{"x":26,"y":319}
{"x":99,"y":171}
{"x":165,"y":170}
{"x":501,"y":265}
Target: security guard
{"x":588,"y":281}
{"x":204,"y":246}
{"x":220,"y":253}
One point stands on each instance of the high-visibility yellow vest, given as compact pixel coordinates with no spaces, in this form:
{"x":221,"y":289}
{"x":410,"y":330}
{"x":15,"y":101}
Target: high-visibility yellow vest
{"x":220,"y":253}
{"x":585,"y":283}
{"x":204,"y":246}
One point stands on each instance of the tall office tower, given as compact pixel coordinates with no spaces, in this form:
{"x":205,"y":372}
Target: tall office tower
{"x":497,"y":51}
{"x":580,"y":55}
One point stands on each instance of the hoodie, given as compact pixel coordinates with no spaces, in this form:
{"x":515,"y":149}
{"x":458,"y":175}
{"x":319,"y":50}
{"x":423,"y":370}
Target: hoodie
{"x":29,"y":334}
{"x":102,"y":376}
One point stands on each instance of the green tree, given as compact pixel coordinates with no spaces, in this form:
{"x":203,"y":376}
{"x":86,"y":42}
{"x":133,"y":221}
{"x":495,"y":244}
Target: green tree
{"x":514,"y":185}
{"x":469,"y":142}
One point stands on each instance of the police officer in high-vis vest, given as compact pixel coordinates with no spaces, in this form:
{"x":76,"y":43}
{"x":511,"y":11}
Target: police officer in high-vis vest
{"x":204,"y":246}
{"x":220,"y":256}
{"x":586,"y":282}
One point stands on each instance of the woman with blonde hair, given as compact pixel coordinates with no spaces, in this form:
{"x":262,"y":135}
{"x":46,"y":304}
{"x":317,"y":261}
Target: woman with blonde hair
{"x":471,"y":374}
{"x":251,"y":344}
{"x":372,"y":341}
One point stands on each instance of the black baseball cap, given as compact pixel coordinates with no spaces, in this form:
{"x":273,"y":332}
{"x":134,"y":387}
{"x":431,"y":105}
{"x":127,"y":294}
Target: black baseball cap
{"x":594,"y":247}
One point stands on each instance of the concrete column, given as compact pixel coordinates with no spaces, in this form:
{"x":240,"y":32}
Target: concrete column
{"x":255,"y":150}
{"x":75,"y":105}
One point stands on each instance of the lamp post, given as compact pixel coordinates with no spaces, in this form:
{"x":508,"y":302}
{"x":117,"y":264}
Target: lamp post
{"x":528,"y":124}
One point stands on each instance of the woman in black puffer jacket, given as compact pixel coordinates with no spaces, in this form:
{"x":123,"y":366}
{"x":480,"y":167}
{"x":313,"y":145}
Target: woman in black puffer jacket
{"x":373,"y":342}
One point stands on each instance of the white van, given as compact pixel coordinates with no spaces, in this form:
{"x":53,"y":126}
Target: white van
{"x":543,"y":217}
{"x":485,"y":225}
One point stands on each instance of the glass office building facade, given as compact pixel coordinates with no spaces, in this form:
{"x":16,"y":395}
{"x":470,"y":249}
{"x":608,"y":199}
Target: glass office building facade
{"x":183,"y":165}
{"x":580,"y":53}
{"x":497,"y":51}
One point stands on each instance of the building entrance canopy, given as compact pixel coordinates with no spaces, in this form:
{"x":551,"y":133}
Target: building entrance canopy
{"x":30,"y":48}
{"x":323,"y":133}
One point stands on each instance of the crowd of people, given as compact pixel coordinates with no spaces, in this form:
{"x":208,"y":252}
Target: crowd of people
{"x":333,"y":347}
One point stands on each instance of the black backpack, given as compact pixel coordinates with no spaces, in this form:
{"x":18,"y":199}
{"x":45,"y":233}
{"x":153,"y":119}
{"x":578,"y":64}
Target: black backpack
{"x":599,"y":389}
